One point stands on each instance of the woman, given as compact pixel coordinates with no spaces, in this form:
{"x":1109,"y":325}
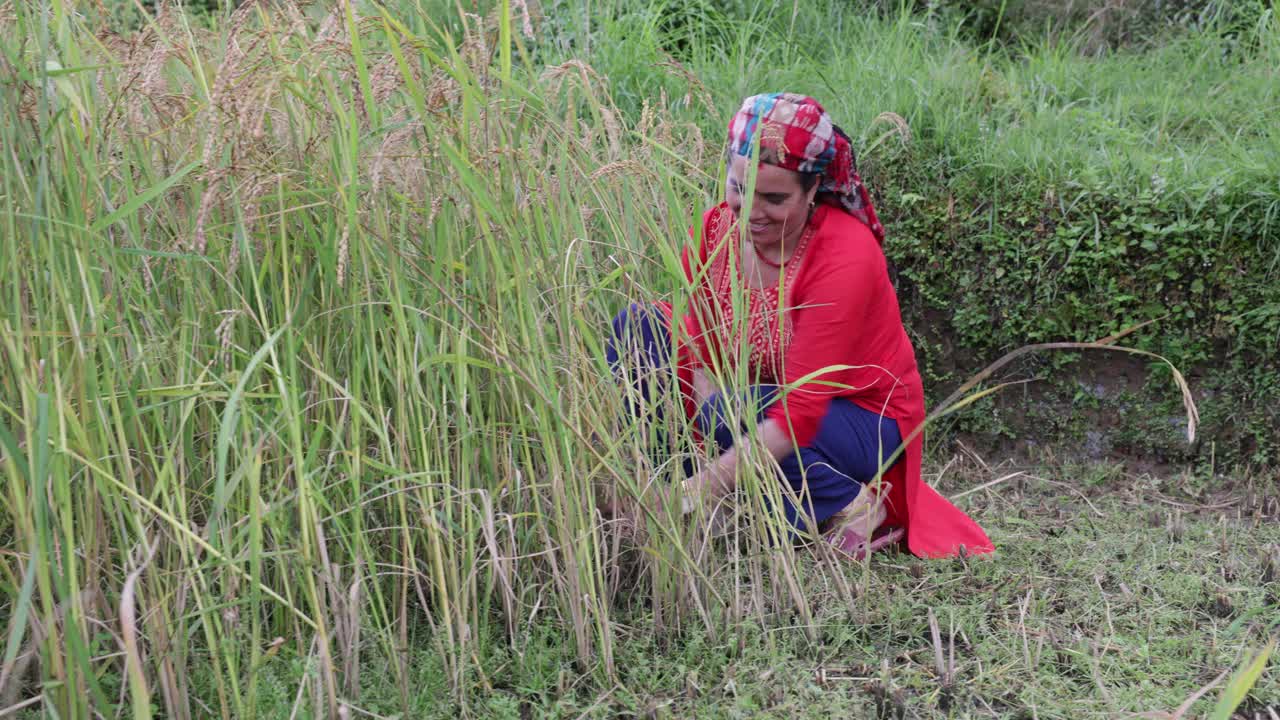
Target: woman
{"x":834,"y":371}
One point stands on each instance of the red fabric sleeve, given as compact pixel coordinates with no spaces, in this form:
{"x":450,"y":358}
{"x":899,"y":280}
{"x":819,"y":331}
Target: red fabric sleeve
{"x":687,"y":264}
{"x":834,"y":320}
{"x":699,"y":297}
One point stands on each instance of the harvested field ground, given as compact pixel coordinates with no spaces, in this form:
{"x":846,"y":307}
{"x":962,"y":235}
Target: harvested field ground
{"x":1111,"y":595}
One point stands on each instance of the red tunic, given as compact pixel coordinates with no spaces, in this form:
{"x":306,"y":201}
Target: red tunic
{"x":838,"y":308}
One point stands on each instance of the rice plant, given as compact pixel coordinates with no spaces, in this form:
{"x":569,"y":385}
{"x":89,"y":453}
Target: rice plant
{"x":304,"y":351}
{"x":303,"y":363}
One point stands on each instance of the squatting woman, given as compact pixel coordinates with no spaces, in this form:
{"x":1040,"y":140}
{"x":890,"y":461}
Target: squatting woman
{"x":834,"y":374}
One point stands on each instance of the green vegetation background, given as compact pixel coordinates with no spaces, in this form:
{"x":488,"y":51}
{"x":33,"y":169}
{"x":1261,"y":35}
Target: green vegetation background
{"x":1059,"y":180}
{"x":1066,"y":170}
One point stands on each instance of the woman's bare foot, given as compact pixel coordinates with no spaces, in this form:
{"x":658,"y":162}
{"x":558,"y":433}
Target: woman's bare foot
{"x":853,"y":529}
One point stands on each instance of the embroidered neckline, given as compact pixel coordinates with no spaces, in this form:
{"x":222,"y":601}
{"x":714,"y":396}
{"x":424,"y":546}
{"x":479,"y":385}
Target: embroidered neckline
{"x":767,"y":332}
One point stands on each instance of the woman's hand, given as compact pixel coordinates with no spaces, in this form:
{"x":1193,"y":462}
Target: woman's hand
{"x":712,"y":482}
{"x":692,"y":493}
{"x":703,"y":387}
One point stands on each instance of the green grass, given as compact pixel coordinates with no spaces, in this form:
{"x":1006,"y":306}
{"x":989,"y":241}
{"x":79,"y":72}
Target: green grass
{"x":1109,"y":188}
{"x":303,"y":402}
{"x":1040,"y":113}
{"x":1124,"y":603}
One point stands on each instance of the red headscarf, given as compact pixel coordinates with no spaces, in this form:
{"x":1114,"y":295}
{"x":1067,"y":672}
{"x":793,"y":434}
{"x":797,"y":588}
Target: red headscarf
{"x":797,"y":134}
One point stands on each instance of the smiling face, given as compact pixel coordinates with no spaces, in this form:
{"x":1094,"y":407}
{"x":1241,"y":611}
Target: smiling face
{"x":779,"y":208}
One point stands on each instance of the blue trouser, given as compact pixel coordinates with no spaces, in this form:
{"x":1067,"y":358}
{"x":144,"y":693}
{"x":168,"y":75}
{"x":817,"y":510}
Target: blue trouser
{"x":847,"y":451}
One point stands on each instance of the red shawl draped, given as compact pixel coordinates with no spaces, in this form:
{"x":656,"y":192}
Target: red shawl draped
{"x":838,"y":308}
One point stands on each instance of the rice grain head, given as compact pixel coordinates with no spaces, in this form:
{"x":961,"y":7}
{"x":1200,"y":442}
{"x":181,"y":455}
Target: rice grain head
{"x":900,"y":123}
{"x":697,"y":145}
{"x":257,"y":130}
{"x":331,"y":27}
{"x":397,"y":159}
{"x":199,"y":241}
{"x":437,"y":204}
{"x":555,"y":76}
{"x":646,"y":119}
{"x":612,"y":132}
{"x":224,"y":336}
{"x":694,"y":85}
{"x":343,"y":249}
{"x":153,"y":79}
{"x":664,"y":122}
{"x":385,"y":78}
{"x":296,"y":22}
{"x":526,"y":22}
{"x":619,"y":167}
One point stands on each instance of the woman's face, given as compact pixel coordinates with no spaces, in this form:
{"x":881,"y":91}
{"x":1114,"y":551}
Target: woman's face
{"x":779,"y":208}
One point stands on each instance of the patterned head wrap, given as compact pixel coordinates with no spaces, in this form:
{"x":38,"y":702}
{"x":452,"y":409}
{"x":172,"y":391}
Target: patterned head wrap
{"x":797,"y":134}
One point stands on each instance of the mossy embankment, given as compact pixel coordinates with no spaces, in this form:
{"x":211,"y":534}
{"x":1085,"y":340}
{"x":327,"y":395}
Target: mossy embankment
{"x":1035,"y":188}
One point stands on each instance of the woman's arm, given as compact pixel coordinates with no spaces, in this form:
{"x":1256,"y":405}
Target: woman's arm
{"x":703,"y":387}
{"x":720,"y":478}
{"x":836,"y":324}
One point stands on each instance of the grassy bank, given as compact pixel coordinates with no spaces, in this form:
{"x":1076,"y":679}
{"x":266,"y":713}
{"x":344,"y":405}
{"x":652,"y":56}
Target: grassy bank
{"x":1034,"y":191}
{"x":302,"y":392}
